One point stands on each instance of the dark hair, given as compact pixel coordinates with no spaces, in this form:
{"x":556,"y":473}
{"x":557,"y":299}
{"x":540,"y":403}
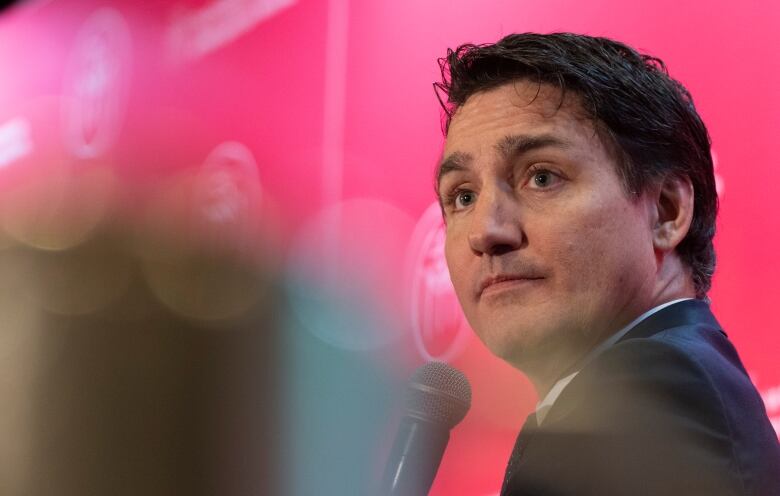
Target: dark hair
{"x":648,"y":117}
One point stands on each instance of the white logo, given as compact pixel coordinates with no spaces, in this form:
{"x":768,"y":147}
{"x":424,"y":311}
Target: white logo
{"x":15,"y":141}
{"x":96,"y":82}
{"x":196,"y":32}
{"x":228,"y":186}
{"x":438,"y":325}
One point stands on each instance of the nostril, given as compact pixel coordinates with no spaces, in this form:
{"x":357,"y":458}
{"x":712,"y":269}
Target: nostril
{"x":500,"y":249}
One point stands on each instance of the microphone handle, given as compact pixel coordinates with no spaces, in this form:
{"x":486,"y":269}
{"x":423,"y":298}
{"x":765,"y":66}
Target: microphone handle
{"x":415,"y":458}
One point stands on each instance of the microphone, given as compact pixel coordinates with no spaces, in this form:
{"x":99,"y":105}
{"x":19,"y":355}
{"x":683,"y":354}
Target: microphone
{"x":438,"y":398}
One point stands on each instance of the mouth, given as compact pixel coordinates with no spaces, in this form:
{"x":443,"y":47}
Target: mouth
{"x":501,"y":282}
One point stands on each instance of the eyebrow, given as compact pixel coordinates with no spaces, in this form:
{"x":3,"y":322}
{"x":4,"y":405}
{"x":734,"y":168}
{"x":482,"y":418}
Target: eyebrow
{"x":516,"y":145}
{"x":509,"y":147}
{"x":455,"y":162}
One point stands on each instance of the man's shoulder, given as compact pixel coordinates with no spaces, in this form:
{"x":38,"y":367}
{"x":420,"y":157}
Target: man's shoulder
{"x":681,"y":350}
{"x":693,"y":352}
{"x":668,"y":409}
{"x":685,"y":372}
{"x":675,"y":373}
{"x":673,"y":401}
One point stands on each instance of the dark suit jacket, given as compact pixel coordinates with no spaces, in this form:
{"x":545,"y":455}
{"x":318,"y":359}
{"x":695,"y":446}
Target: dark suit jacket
{"x":667,"y":410}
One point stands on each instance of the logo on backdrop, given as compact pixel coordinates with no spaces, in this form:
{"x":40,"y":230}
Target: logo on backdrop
{"x":440,"y":330}
{"x":194,"y":33}
{"x":228,"y":185}
{"x":96,"y":82}
{"x":15,"y":140}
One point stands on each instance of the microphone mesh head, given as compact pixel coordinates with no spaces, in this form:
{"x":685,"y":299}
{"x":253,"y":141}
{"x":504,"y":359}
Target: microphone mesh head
{"x":439,"y":393}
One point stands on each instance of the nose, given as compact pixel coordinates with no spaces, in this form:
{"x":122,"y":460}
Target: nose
{"x":496,"y":226}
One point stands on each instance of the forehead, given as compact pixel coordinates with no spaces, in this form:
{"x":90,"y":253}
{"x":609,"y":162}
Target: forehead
{"x":519,"y":107}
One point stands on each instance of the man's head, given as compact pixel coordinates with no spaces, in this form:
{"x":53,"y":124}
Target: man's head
{"x":577,"y":168}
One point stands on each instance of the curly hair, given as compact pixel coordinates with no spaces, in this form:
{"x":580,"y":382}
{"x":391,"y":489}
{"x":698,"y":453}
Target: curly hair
{"x":647,"y":116}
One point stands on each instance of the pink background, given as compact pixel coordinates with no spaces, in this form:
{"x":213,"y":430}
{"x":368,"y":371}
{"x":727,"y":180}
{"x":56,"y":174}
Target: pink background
{"x":334,"y":103}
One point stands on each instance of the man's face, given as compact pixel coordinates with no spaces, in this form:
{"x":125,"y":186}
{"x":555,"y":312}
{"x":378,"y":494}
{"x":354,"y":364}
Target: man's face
{"x":546,"y":250}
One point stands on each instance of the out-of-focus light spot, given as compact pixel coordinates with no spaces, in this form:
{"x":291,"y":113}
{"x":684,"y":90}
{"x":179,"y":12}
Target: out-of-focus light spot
{"x":217,"y":205}
{"x":227,"y":188}
{"x":15,"y":141}
{"x":194,"y":33}
{"x":203,"y":287}
{"x":96,"y":83}
{"x":344,"y":280}
{"x":58,"y":209}
{"x":438,"y":325}
{"x":200,"y":271}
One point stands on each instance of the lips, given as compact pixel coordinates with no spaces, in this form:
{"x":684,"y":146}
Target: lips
{"x":500,"y":279}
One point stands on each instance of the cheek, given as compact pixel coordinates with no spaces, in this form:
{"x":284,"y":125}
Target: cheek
{"x":596,"y":247}
{"x":455,"y":254}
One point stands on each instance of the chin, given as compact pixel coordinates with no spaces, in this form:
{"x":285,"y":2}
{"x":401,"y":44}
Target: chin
{"x":514,"y":346}
{"x":525,"y":348}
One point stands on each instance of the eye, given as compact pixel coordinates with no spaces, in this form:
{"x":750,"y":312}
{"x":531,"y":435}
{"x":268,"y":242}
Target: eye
{"x":464,"y":198}
{"x":543,"y":179}
{"x":459,"y":199}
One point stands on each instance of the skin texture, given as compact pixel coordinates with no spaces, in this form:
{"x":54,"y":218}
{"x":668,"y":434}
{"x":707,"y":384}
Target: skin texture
{"x":535,"y":210}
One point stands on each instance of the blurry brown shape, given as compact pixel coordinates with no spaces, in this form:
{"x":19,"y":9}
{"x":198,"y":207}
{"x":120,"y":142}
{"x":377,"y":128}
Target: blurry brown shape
{"x":82,"y":279}
{"x":57,"y":208}
{"x":20,"y":365}
{"x":107,"y":391}
{"x":202,"y":286}
{"x":6,"y":241}
{"x":197,"y":268}
{"x":213,"y":208}
{"x":59,"y":212}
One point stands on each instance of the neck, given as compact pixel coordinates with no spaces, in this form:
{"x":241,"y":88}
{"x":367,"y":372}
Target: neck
{"x":544,"y":374}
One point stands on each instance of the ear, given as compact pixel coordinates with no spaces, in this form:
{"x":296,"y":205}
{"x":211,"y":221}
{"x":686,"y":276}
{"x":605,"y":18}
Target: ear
{"x":674,"y":212}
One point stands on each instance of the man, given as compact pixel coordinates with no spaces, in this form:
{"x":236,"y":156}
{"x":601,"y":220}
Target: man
{"x":578,"y":194}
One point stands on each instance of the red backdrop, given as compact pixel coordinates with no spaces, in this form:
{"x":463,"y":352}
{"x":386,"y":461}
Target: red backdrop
{"x":317,"y":122}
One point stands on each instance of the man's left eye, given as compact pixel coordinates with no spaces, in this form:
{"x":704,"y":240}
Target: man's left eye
{"x":543,"y":179}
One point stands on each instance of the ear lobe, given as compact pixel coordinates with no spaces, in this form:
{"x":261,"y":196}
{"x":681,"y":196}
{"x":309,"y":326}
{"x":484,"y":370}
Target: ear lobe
{"x":674,"y":209}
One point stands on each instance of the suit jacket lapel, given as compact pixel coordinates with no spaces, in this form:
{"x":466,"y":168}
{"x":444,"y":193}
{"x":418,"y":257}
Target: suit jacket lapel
{"x":529,"y":427}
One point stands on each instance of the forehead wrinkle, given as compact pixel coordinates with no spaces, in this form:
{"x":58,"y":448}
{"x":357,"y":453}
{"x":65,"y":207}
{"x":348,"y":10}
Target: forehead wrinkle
{"x":527,"y":101}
